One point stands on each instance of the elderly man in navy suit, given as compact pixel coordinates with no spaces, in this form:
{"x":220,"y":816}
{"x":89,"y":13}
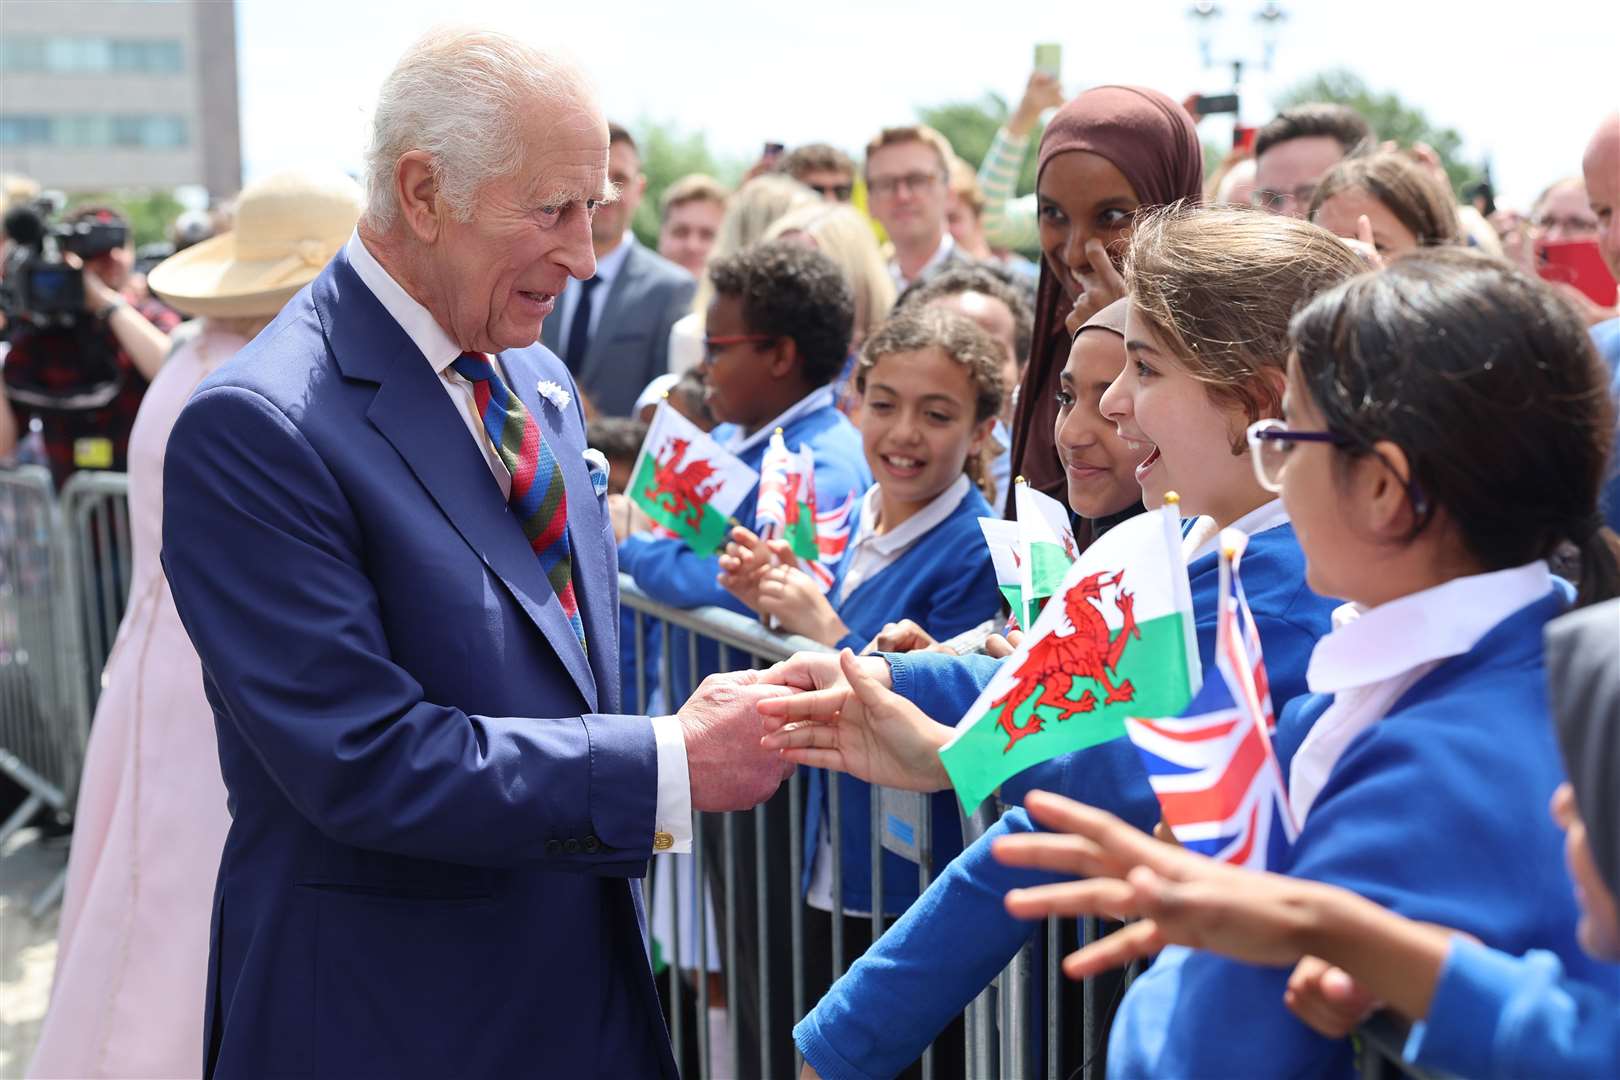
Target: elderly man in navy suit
{"x":388,"y":542}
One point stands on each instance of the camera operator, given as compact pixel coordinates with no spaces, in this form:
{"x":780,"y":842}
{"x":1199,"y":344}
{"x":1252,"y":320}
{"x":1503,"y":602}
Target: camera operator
{"x":83,"y":375}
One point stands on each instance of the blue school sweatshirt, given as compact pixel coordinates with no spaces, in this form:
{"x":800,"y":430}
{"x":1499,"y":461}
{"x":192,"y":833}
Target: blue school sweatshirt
{"x":946,"y":583}
{"x":1438,"y":812}
{"x":958,"y":935}
{"x":1495,"y":1015}
{"x":669,"y":571}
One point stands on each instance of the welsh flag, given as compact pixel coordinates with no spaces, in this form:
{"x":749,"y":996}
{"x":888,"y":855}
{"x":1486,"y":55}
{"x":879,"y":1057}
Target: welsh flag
{"x":687,"y":483}
{"x":1116,"y":641}
{"x":787,"y":498}
{"x":1046,"y":548}
{"x":1001,"y":537}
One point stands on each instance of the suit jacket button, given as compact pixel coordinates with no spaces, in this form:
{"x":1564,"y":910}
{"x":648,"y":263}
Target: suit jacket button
{"x":592,"y":845}
{"x":553,"y":847}
{"x":571,"y":846}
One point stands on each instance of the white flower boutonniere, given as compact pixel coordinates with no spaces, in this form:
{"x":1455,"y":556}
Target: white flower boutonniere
{"x":555,"y":394}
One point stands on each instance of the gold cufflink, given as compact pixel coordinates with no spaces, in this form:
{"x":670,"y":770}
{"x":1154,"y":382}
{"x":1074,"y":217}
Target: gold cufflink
{"x":663,"y":841}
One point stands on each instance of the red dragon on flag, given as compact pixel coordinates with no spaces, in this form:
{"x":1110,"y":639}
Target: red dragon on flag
{"x":1055,"y":662}
{"x":681,"y":487}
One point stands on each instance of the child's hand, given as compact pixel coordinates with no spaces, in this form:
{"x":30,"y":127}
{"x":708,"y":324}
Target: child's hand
{"x":906,"y":636}
{"x":794,"y":598}
{"x":742,"y":563}
{"x":1326,"y":998}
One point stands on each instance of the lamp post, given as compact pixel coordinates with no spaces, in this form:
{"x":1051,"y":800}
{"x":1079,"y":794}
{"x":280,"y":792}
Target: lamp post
{"x":1206,"y":16}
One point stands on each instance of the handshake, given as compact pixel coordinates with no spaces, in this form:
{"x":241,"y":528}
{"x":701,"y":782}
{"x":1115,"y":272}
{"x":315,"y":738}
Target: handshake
{"x":748,"y":730}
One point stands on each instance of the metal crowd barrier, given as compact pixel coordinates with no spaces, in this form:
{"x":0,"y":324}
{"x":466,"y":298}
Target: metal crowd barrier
{"x":64,"y":580}
{"x":41,"y":743}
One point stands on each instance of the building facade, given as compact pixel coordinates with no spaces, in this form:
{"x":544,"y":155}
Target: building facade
{"x":120,"y":95}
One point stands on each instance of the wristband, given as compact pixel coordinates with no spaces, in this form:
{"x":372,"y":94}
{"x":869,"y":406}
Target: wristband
{"x":106,"y":310}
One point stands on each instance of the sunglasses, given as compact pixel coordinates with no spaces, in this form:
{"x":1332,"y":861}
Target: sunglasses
{"x":841,"y":192}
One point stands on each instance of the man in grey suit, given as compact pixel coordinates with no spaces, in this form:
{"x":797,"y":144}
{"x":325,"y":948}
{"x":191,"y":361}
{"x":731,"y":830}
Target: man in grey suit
{"x":612,"y":330}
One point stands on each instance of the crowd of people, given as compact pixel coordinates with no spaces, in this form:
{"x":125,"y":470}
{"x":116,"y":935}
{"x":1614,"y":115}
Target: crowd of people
{"x":362,"y":778}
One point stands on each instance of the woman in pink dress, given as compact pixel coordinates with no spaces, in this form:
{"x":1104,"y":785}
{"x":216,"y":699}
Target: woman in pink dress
{"x":132,"y":952}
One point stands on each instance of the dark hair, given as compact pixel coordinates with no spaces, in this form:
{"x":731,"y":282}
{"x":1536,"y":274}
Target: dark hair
{"x":1339,"y":122}
{"x":618,"y":133}
{"x":618,"y":437}
{"x":1489,"y":383}
{"x":801,"y":161}
{"x":978,"y":279}
{"x":921,"y":327}
{"x":1403,"y":186}
{"x":791,"y":291}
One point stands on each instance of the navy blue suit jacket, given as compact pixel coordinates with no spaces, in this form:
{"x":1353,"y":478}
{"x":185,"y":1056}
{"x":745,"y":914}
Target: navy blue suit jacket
{"x":435,"y":810}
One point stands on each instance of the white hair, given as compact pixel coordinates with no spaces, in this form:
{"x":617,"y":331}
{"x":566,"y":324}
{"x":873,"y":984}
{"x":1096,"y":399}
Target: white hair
{"x":459,"y":94}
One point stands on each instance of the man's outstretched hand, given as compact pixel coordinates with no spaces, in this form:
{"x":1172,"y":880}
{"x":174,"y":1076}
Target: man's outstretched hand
{"x":726,"y":766}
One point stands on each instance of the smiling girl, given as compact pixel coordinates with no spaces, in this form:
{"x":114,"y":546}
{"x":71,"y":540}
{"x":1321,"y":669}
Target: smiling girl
{"x":931,"y":388}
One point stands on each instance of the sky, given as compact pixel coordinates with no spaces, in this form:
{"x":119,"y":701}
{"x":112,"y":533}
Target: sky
{"x":1528,"y":89}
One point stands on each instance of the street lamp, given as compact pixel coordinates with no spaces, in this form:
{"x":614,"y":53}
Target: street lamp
{"x":1205,"y":16}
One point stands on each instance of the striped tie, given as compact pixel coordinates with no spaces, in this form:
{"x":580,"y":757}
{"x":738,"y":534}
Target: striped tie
{"x":537,"y":499}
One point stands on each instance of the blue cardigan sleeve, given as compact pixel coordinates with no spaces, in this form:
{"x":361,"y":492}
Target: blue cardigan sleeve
{"x":935,"y":959}
{"x":1496,"y":1015}
{"x":941,"y":685}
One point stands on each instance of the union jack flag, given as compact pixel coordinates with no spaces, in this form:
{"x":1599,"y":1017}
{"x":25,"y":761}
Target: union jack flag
{"x":1214,"y":770}
{"x":770,"y":510}
{"x":832,"y":537}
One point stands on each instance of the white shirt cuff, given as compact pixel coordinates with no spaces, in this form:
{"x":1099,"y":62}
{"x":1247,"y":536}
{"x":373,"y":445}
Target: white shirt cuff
{"x":674,"y":813}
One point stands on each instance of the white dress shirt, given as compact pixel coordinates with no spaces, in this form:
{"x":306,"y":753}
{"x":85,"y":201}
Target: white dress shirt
{"x":673,"y":814}
{"x":947,"y":244}
{"x":607,"y":268}
{"x":1374,"y":656}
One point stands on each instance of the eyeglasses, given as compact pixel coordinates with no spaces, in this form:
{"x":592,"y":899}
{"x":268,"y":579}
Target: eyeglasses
{"x":1270,"y":443}
{"x":841,"y":192}
{"x":1583,"y":225}
{"x":1278,"y":201}
{"x":713,"y":345}
{"x":885,"y":186}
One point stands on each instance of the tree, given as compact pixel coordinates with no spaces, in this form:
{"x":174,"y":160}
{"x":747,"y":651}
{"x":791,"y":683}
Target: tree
{"x":971,"y":125}
{"x":1390,"y":117}
{"x":667,"y":154}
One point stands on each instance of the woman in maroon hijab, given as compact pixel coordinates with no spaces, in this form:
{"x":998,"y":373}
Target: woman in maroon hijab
{"x":1105,"y":155}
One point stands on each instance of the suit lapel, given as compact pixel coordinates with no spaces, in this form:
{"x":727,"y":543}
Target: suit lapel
{"x":412,"y":411}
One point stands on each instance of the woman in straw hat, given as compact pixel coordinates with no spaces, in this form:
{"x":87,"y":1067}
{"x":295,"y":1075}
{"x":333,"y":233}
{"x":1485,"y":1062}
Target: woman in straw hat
{"x":133,"y":947}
